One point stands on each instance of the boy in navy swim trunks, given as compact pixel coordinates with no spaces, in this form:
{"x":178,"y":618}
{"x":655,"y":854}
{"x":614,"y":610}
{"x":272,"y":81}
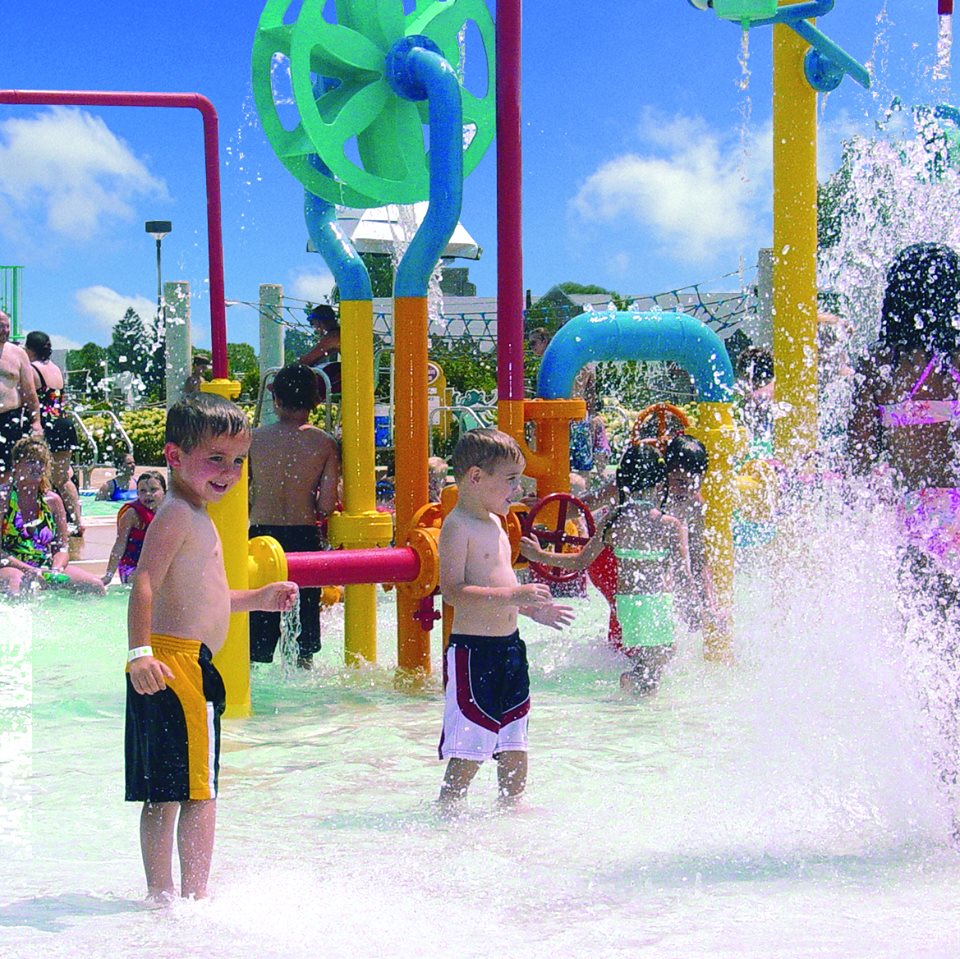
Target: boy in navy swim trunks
{"x":179,"y":611}
{"x":486,"y":683}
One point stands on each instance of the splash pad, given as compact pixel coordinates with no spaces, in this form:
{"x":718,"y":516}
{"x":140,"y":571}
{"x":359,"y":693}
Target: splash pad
{"x":785,"y":807}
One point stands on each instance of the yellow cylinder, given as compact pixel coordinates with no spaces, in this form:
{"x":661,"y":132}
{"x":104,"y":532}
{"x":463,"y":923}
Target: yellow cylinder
{"x":231,"y":518}
{"x":794,"y":247}
{"x":359,"y":525}
{"x":716,"y":430}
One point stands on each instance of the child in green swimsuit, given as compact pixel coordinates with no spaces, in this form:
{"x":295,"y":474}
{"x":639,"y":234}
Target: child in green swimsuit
{"x":651,"y":550}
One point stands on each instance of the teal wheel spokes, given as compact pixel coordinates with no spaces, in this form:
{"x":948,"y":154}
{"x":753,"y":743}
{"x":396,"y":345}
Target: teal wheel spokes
{"x":370,"y":139}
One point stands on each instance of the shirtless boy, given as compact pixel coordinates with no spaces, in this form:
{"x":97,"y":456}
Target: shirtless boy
{"x":294,"y":471}
{"x":179,"y":611}
{"x":19,"y":406}
{"x":486,"y":682}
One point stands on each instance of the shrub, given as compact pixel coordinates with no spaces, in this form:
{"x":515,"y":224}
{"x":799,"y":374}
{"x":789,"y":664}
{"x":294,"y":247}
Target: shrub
{"x":145,"y":429}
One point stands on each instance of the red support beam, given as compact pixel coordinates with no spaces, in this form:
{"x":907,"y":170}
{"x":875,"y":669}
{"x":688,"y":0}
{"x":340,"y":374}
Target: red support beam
{"x":345,"y":567}
{"x":211,"y":157}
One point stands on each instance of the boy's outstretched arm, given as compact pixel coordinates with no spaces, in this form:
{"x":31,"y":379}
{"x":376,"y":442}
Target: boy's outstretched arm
{"x":272,"y":598}
{"x":453,"y":576}
{"x":582,"y":559}
{"x":554,"y":615}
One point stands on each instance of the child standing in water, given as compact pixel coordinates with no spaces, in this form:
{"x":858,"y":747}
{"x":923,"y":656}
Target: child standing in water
{"x":685,"y":460}
{"x":486,"y":682}
{"x":649,"y":545}
{"x":179,"y":610}
{"x":132,"y":523}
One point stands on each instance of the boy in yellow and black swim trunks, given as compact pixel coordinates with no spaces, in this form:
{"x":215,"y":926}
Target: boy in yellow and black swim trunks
{"x":180,"y":608}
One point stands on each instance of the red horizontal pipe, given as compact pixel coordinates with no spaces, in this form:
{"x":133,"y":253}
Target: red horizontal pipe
{"x":945,"y":7}
{"x":344,"y":567}
{"x":211,"y":158}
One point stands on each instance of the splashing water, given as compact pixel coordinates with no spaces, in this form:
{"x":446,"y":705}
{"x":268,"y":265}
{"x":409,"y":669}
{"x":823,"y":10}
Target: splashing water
{"x":899,"y":188}
{"x":288,"y":648}
{"x":941,"y":69}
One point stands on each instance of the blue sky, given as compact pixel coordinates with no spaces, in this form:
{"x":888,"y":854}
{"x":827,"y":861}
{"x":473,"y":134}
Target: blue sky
{"x":646,"y":167}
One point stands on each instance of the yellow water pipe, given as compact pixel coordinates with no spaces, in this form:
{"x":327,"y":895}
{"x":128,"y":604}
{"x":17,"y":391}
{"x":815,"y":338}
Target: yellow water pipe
{"x":794,"y":247}
{"x":716,"y":430}
{"x":231,"y":518}
{"x":359,"y":525}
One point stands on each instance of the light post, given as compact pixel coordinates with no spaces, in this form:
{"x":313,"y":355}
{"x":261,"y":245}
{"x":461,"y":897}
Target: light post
{"x":158,"y":229}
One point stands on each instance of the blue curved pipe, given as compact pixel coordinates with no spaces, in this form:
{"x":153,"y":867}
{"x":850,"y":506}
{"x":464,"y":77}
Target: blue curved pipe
{"x":627,"y":335}
{"x":332,"y":243}
{"x":427,"y":75}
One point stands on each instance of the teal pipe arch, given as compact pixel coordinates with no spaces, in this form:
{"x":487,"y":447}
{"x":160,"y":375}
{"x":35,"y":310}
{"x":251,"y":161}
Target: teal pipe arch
{"x":627,"y":335}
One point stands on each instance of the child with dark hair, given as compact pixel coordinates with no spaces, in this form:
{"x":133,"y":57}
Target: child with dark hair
{"x":132,"y":522}
{"x":907,"y":401}
{"x":294,"y":472}
{"x":326,"y":324}
{"x":686,"y":461}
{"x":648,"y":544}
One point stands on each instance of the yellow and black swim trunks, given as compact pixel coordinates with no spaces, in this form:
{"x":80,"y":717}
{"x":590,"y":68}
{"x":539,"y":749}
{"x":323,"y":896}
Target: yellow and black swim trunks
{"x":173,"y":736}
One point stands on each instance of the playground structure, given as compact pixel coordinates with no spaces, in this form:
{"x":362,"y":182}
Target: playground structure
{"x":382,"y":76}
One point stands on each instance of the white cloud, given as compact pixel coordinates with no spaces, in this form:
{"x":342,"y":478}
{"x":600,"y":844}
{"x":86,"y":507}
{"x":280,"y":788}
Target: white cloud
{"x":315,"y":286}
{"x":60,"y":342}
{"x":696,"y":191}
{"x":105,"y":306}
{"x":65,"y":171}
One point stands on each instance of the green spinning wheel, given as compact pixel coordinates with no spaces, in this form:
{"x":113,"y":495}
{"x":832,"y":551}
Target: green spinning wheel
{"x":369,"y":138}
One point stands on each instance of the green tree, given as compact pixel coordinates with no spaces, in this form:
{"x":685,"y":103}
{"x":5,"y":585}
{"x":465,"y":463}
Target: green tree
{"x":241,"y":358}
{"x":296,"y":342}
{"x":154,"y":376}
{"x":130,"y":350}
{"x":85,"y":370}
{"x":244,"y":366}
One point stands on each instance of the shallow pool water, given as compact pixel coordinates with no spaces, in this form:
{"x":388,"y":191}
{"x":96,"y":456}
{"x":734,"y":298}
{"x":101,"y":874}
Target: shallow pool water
{"x":786,"y":806}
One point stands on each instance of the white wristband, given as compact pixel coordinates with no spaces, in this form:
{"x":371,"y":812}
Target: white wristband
{"x":139,"y":652}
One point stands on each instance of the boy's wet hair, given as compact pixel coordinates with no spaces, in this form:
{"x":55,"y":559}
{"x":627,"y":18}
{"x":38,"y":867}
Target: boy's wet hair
{"x":295,"y":387}
{"x":485,"y":448}
{"x":921,"y":303}
{"x":200,"y":416}
{"x":153,"y":475}
{"x":641,"y":468}
{"x":685,"y":453}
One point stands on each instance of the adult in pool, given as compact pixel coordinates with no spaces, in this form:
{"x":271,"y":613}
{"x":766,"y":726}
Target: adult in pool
{"x":58,"y":426}
{"x":33,"y":527}
{"x":120,"y":488}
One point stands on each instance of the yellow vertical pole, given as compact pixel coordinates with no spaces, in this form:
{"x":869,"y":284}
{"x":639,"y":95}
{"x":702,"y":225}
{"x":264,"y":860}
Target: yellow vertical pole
{"x":359,"y":525}
{"x":412,"y":448}
{"x":717,"y":432}
{"x":231,"y":517}
{"x":794,"y":247}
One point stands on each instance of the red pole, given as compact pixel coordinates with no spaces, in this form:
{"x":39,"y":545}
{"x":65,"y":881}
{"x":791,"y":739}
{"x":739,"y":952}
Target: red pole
{"x":211,"y":154}
{"x":344,"y":567}
{"x":945,"y":8}
{"x":510,"y":301}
